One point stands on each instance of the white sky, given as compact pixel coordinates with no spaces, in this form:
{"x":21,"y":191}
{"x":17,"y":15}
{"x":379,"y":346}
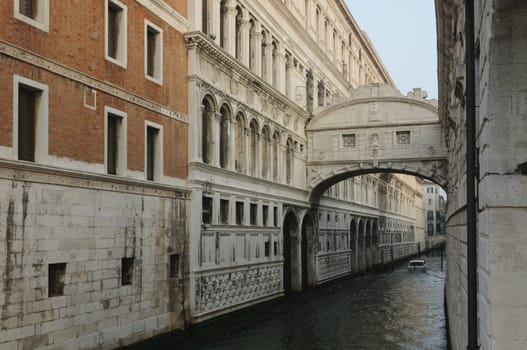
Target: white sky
{"x":404,"y":35}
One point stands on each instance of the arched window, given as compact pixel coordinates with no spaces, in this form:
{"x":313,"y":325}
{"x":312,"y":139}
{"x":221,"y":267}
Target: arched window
{"x":275,"y":153}
{"x":289,"y":160}
{"x":205,"y":16}
{"x":239,"y":159}
{"x":238,"y":29}
{"x":266,"y":150}
{"x":207,"y":113}
{"x":253,"y":140}
{"x":224,"y":136}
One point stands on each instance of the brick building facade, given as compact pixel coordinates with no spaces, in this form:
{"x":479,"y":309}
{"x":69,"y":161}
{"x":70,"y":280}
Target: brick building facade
{"x":93,"y":151}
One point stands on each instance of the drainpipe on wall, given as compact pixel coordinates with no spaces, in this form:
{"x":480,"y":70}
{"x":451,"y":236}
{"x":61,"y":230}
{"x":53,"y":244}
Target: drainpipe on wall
{"x":472,"y":268}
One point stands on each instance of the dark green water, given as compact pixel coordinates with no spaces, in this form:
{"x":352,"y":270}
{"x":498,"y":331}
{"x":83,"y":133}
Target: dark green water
{"x":396,"y":310}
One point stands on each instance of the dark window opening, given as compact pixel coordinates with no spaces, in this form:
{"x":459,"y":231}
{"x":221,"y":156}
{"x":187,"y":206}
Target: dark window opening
{"x":224,"y":211}
{"x":267,"y":248}
{"x":275,"y":246}
{"x":275,"y":216}
{"x":174,"y":265}
{"x":56,"y":276}
{"x":206,"y":210}
{"x":112,"y":141}
{"x":114,"y":19}
{"x":151,"y":38}
{"x":26,"y":123}
{"x":127,"y":271}
{"x":253,"y":213}
{"x":151,"y":138}
{"x":28,"y":8}
{"x":265,"y":214}
{"x":239,"y":213}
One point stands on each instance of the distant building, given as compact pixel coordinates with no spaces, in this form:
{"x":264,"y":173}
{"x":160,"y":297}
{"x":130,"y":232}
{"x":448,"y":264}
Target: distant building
{"x":434,"y":205}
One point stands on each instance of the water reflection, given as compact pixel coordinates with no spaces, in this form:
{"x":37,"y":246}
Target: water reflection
{"x":396,"y":310}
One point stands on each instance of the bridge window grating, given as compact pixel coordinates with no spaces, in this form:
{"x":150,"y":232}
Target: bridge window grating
{"x":348,"y":141}
{"x":402,"y":138}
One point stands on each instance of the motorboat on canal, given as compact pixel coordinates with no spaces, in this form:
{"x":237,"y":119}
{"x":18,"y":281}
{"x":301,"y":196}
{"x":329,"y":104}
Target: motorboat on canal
{"x":417,"y":265}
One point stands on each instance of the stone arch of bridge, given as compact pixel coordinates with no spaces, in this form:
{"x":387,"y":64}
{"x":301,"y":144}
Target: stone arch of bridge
{"x":377,"y":130}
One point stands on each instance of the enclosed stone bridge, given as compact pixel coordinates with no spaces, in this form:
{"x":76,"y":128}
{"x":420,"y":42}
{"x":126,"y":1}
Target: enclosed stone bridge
{"x":376,"y":130}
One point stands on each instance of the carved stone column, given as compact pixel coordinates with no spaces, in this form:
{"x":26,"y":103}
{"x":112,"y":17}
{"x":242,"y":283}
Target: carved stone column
{"x":215,"y":139}
{"x":268,"y":76}
{"x":280,"y":69}
{"x":232,"y":143}
{"x":215,"y":14}
{"x":256,"y":48}
{"x":195,"y":14}
{"x":244,"y":38}
{"x":229,"y":27}
{"x":247,"y":164}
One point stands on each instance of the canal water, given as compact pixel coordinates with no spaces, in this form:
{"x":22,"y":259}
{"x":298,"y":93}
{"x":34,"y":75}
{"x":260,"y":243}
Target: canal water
{"x":394,"y":310}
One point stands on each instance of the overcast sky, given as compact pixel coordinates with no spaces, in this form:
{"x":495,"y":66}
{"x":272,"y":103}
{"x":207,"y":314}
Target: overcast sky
{"x":404,"y":34}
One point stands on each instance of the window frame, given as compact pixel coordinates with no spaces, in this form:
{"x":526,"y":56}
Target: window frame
{"x":122,"y":162}
{"x":42,"y":20}
{"x":158,"y":56}
{"x":41,"y":117}
{"x":122,"y":44}
{"x":158,"y":161}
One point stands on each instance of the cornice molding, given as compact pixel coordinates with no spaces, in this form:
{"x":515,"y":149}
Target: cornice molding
{"x":23,"y":55}
{"x":198,"y":40}
{"x":167,"y":14}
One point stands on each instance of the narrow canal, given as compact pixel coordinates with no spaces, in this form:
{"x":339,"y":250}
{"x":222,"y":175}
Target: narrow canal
{"x":395,"y":310}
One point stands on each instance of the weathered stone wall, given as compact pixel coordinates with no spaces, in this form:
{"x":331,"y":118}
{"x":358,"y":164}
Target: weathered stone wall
{"x":89,"y":223}
{"x":501,"y":90}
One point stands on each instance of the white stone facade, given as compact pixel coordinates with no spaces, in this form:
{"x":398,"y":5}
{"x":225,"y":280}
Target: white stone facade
{"x":258,"y":72}
{"x":501,"y":90}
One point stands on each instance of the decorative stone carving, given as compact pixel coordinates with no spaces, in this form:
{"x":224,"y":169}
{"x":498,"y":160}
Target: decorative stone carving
{"x":374,"y":112}
{"x":227,"y":288}
{"x":374,"y":140}
{"x":348,"y":140}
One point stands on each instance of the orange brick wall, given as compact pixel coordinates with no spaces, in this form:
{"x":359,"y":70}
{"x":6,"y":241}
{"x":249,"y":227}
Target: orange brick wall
{"x":76,"y":40}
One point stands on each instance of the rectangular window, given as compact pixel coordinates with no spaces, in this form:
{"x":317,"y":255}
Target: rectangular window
{"x":267,"y":248}
{"x":115,"y":141}
{"x":265,"y":214}
{"x":153,"y":52}
{"x":206,"y":210}
{"x":153,"y":151}
{"x":253,"y":208}
{"x":56,"y":276}
{"x":239,"y":213}
{"x":224,"y":211}
{"x":33,"y":12}
{"x":26,"y":123}
{"x":174,"y":265}
{"x":116,"y":32}
{"x":275,"y":216}
{"x":30,"y":120}
{"x":430,"y":229}
{"x":275,"y":248}
{"x":430,"y":201}
{"x":430,"y":215}
{"x":127,"y":271}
